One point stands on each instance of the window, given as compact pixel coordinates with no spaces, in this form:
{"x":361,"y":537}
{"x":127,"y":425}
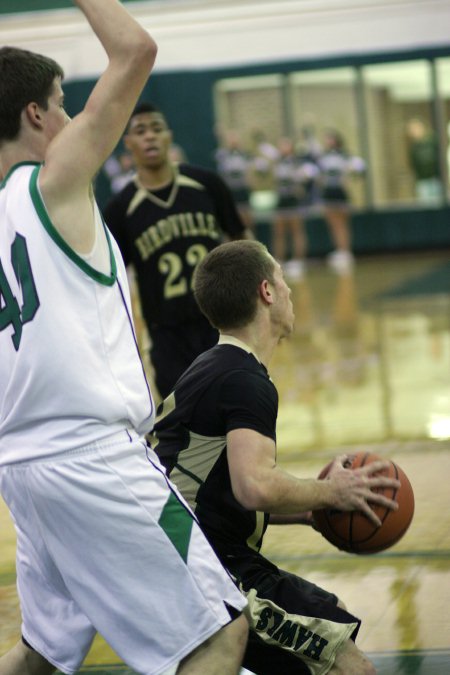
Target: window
{"x":403,"y":143}
{"x":326,"y":99}
{"x":251,"y":103}
{"x":443,"y":81}
{"x":394,"y":116}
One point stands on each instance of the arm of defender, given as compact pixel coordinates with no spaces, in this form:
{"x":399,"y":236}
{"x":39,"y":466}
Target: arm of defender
{"x":76,"y":153}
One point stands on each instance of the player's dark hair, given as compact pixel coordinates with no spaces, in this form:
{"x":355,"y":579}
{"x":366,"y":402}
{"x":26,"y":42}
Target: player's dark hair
{"x":144,"y":107}
{"x":25,"y":77}
{"x":227,"y":280}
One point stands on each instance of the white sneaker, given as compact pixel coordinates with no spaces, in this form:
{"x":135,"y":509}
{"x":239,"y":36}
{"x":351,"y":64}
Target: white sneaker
{"x":294,"y":269}
{"x":341,"y":261}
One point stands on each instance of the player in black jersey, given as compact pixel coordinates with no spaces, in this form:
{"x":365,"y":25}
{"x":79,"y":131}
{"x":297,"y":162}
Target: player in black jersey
{"x":165,"y":221}
{"x":216,"y":435}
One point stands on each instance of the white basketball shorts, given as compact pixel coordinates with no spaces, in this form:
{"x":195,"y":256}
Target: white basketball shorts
{"x":104,"y":544}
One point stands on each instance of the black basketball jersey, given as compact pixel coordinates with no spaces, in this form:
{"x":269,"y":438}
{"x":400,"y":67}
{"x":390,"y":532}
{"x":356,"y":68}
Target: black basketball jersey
{"x":225,"y":388}
{"x":165,"y":233}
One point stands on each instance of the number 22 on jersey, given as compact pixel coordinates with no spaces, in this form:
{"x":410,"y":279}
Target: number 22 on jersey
{"x":171,"y":265}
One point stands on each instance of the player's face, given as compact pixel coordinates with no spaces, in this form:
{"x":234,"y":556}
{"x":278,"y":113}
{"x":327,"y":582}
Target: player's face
{"x":55,"y":116}
{"x":149,"y":139}
{"x":283,"y":309}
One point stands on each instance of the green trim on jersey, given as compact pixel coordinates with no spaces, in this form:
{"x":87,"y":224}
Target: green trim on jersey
{"x":107,"y":280}
{"x":12,"y":169}
{"x":176,"y":521}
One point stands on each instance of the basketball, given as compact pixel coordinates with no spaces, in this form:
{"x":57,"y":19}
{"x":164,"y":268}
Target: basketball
{"x":352,"y":531}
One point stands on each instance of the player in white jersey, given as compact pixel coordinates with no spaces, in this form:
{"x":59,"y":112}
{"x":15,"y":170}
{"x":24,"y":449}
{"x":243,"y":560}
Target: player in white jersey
{"x":104,"y":542}
{"x":62,"y":286}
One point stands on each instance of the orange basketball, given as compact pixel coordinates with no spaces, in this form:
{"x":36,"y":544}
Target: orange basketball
{"x":352,"y":531}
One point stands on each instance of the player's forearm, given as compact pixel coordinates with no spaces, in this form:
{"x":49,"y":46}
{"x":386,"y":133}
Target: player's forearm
{"x":302,"y":518}
{"x":77,"y":153}
{"x":277,"y":492}
{"x":116,"y":29}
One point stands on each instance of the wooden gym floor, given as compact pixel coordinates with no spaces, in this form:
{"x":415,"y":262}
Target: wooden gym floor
{"x":368,"y":367}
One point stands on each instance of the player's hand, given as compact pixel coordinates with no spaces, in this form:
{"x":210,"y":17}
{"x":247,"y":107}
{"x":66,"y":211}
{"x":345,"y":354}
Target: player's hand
{"x":353,"y":490}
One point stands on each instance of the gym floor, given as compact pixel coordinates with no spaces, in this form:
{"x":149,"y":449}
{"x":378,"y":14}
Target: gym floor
{"x":368,"y":367}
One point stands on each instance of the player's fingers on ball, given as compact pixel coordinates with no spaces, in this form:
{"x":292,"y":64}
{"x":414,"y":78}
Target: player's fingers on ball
{"x":384,"y":481}
{"x":360,"y":477}
{"x":388,"y":483}
{"x":342,"y":460}
{"x":380,"y":499}
{"x":349,"y":459}
{"x":378,"y":465}
{"x":365,"y":508}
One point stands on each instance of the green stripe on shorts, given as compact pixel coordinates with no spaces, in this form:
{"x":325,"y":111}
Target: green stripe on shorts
{"x":176,"y":522}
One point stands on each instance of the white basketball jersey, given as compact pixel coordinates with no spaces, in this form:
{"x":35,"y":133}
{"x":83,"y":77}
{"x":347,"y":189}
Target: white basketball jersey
{"x":70,"y":371}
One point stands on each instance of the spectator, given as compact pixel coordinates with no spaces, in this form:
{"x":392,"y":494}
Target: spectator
{"x":336,"y":166}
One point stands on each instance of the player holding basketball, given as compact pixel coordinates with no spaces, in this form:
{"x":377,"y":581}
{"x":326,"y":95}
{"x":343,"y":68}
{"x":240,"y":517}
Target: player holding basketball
{"x":216,"y":435}
{"x":165,"y":221}
{"x":103,"y":542}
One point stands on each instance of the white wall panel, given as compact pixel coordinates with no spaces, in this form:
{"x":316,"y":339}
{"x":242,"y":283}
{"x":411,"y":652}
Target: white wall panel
{"x":217,"y":33}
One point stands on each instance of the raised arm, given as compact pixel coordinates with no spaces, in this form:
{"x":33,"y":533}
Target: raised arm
{"x":78,"y":151}
{"x":260,"y":485}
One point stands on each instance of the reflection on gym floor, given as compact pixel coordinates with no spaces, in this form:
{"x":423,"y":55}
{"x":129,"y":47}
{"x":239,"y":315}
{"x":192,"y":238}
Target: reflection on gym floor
{"x":367,"y":367}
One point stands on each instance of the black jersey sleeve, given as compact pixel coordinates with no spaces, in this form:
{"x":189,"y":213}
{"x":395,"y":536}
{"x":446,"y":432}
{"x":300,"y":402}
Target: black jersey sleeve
{"x":227,"y":214}
{"x":114,"y":214}
{"x":249,"y":401}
